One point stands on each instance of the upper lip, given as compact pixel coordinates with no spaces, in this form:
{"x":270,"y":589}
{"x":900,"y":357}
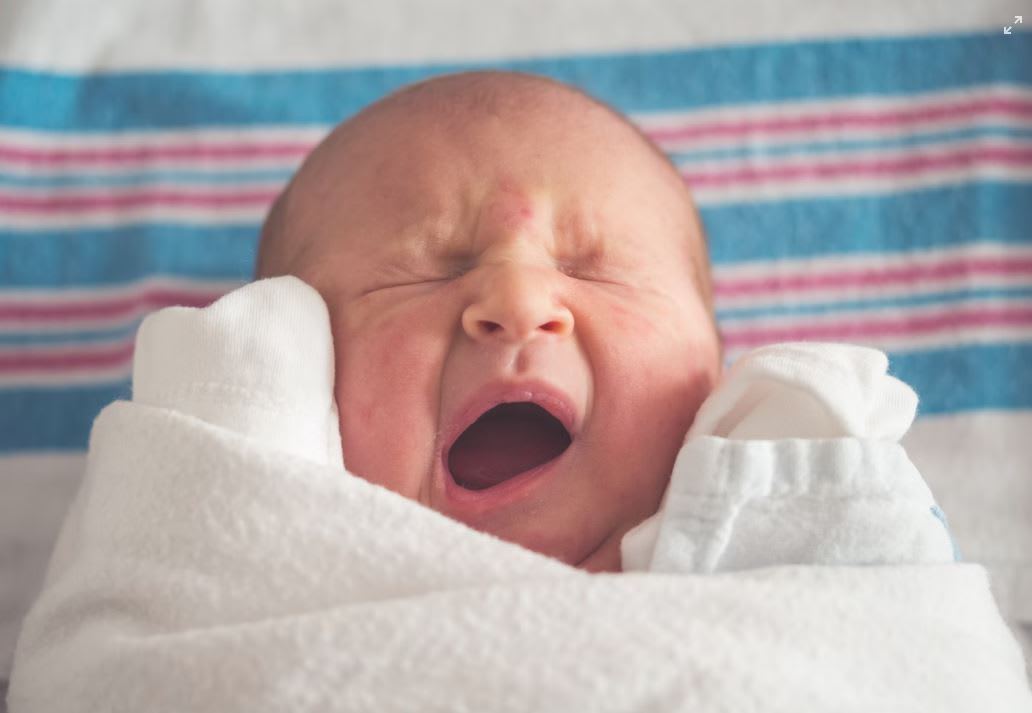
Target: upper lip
{"x":549,"y":397}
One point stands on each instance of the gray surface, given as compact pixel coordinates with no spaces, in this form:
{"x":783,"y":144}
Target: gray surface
{"x":3,"y":696}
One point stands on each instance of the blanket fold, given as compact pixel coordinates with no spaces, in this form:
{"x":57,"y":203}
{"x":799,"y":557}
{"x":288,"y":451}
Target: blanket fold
{"x":200,"y":570}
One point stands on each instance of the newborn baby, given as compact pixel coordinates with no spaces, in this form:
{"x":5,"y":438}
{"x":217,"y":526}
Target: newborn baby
{"x":520,"y":302}
{"x":491,"y":237}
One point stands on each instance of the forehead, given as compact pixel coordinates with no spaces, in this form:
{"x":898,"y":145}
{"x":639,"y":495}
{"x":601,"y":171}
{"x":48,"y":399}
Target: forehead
{"x":418,"y":173}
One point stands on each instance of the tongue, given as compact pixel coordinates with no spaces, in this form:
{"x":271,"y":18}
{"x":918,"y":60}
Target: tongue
{"x":505,"y":441}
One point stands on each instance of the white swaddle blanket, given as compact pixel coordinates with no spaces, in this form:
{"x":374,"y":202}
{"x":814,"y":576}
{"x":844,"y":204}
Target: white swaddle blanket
{"x":218,"y":558}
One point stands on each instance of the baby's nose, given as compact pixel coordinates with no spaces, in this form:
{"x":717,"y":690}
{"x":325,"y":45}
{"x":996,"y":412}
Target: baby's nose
{"x":516,"y":303}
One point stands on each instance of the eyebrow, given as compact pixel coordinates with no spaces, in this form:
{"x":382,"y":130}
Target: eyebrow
{"x":432,"y":240}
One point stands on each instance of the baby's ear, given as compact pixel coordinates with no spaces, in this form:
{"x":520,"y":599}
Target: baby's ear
{"x":259,"y":361}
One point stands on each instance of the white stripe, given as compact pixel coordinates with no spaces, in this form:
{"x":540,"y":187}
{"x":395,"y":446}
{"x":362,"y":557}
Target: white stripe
{"x":69,"y":377}
{"x":124,"y":321}
{"x":841,"y":325}
{"x":799,"y":189}
{"x":828,"y":110}
{"x":123,"y":34}
{"x":37,"y":296}
{"x":175,"y":140}
{"x":791,"y":268}
{"x":932,"y":151}
{"x":162,"y":138}
{"x":188,"y":191}
{"x":77,"y":166}
{"x":111,"y":218}
{"x":849,"y":318}
{"x":789,"y":297}
{"x":852,"y":183}
{"x":114,"y":372}
{"x":871,"y":261}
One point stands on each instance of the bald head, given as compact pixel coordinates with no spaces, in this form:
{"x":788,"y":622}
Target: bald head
{"x":451,"y":102}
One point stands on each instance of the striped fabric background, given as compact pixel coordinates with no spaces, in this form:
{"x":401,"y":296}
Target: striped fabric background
{"x":872,"y":188}
{"x":848,"y":200}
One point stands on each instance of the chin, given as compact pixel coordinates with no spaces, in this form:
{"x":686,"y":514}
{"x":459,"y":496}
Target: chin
{"x":605,"y":558}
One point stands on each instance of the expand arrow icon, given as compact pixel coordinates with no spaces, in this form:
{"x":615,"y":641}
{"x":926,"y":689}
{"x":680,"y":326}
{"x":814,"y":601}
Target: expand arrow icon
{"x":1007,"y":30}
{"x":1018,"y":19}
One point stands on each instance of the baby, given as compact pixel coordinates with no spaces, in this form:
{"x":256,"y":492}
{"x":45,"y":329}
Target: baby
{"x":520,"y":298}
{"x":492,"y":237}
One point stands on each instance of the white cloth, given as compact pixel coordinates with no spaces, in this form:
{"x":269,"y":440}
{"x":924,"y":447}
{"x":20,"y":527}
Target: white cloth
{"x":794,"y":459}
{"x":203,"y":567}
{"x":274,"y":384}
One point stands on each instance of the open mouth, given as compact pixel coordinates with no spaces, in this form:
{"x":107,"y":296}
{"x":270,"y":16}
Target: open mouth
{"x":506,"y":440}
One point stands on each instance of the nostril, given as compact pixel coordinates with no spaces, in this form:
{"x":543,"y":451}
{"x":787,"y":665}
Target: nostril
{"x":553,"y":326}
{"x":490,"y":327}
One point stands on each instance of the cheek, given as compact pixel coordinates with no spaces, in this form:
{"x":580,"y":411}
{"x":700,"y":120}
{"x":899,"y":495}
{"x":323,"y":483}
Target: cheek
{"x":663,"y":337}
{"x":387,"y":373}
{"x":657,"y":363}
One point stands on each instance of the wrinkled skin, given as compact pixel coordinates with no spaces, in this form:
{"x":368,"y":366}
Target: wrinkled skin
{"x":538,"y":241}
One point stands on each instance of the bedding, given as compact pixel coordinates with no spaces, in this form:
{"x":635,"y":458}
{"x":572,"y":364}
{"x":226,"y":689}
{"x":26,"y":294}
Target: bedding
{"x":219,"y":558}
{"x":864,"y":174}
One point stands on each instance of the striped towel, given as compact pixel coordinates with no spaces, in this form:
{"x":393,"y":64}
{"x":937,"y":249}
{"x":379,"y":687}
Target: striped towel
{"x":863,"y":176}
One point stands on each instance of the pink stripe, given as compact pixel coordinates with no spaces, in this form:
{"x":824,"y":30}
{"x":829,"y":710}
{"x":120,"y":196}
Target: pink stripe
{"x":49,"y":360}
{"x":918,"y":325}
{"x":873,"y":276}
{"x":119,"y":355}
{"x":21,"y":203}
{"x":876,"y":167}
{"x":846,"y":119}
{"x":16,"y":203}
{"x":142,"y":154}
{"x":105,"y":307}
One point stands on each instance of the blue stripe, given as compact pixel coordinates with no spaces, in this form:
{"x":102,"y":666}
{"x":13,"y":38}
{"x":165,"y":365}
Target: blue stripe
{"x":645,"y":82}
{"x":91,"y":257}
{"x":947,"y":380}
{"x":972,"y":295}
{"x":62,"y":337}
{"x":898,"y":222}
{"x":138,"y":178}
{"x":54,"y":419}
{"x":777,"y":149}
{"x":963,"y":378}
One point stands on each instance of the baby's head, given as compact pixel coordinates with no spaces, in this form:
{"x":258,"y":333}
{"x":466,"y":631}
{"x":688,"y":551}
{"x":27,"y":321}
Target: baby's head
{"x":488,"y":237}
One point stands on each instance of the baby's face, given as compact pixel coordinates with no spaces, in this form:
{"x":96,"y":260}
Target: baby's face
{"x":462,"y":255}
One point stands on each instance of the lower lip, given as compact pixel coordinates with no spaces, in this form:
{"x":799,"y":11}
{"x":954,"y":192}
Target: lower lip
{"x":503,"y":494}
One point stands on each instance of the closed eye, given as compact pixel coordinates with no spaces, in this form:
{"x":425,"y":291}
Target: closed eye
{"x":584,"y":274}
{"x":411,"y":283}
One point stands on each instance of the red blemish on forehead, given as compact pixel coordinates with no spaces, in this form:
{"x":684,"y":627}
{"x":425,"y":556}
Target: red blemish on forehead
{"x":512,"y":205}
